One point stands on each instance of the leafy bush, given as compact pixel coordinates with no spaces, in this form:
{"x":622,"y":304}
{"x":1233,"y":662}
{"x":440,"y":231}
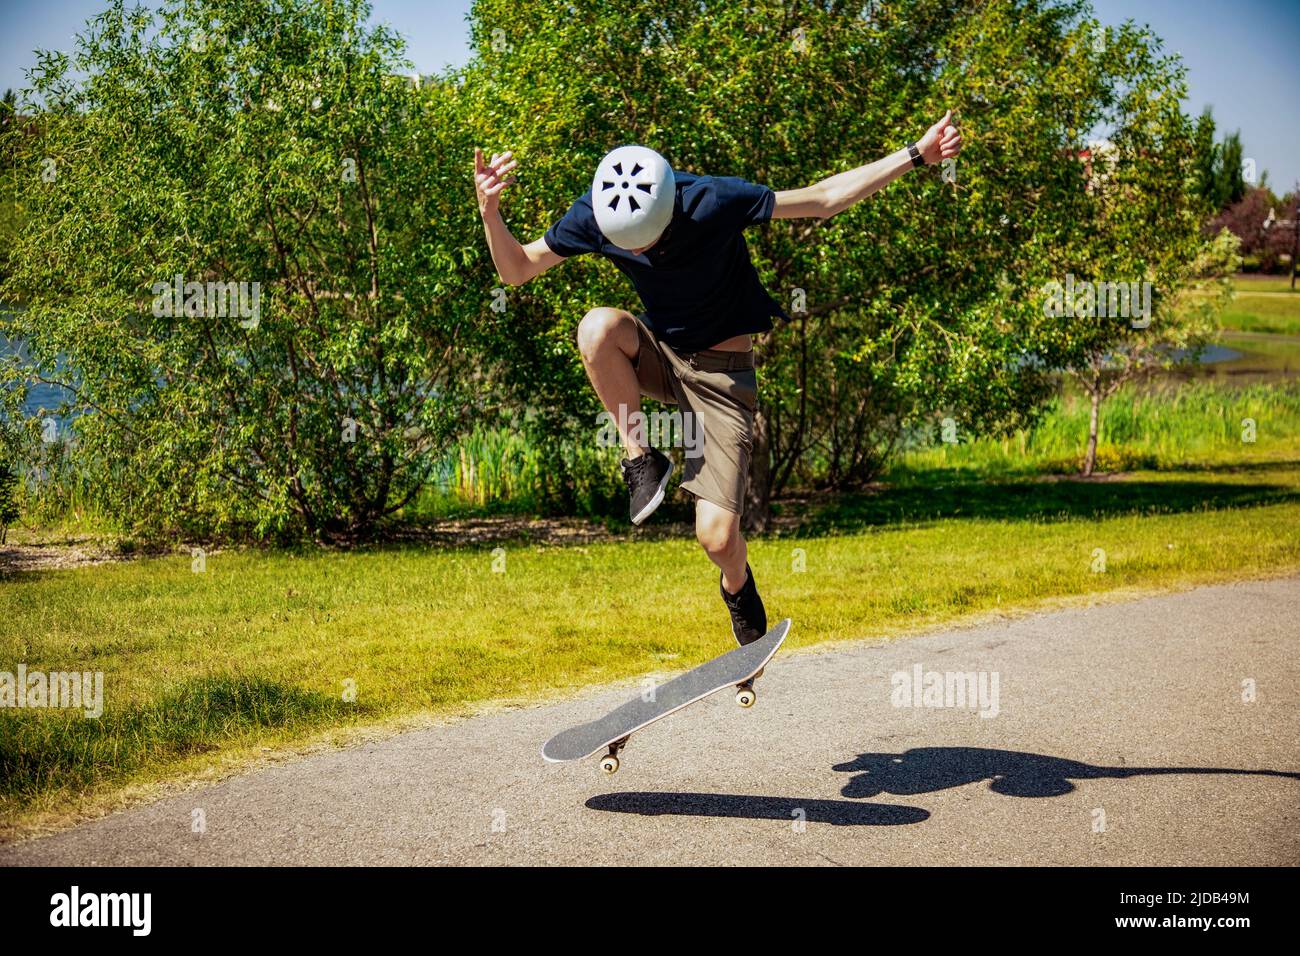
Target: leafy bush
{"x":312,"y":207}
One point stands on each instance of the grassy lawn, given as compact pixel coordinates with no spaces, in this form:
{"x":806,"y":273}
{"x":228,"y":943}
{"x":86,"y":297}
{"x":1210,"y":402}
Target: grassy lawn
{"x":1263,"y":312}
{"x":1158,"y":425}
{"x":1264,"y":283}
{"x":1263,"y":304}
{"x":202,"y":670}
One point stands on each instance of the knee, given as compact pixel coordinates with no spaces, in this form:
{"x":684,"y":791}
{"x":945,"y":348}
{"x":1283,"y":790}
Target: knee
{"x":596,"y":332}
{"x":719,"y":538}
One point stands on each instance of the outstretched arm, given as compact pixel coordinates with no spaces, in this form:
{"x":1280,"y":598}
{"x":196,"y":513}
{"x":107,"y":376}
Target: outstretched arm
{"x":515,"y":263}
{"x":836,"y":193}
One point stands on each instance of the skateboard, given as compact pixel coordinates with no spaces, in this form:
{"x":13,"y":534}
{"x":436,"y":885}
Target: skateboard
{"x":737,"y":668}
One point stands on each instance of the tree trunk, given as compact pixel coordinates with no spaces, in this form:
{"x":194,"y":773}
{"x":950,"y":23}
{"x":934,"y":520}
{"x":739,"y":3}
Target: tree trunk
{"x":758,"y":493}
{"x":1090,"y":459}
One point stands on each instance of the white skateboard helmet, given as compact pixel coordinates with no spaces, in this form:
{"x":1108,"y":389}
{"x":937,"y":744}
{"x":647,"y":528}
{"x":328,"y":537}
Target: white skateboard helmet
{"x":632,"y":195}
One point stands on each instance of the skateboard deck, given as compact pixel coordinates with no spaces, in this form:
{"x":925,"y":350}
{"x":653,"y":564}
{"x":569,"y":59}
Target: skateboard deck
{"x":736,"y":668}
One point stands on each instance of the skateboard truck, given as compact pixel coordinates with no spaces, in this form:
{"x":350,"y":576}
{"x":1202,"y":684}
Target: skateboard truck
{"x":745,"y":693}
{"x":610,"y":763}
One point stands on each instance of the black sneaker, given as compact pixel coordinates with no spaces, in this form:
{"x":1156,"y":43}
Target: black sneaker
{"x":646,"y":476}
{"x":748,"y":616}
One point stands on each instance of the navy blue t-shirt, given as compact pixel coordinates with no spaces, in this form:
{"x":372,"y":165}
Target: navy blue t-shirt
{"x":697,"y":282}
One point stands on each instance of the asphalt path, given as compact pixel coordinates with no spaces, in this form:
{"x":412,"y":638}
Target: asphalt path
{"x":1158,"y":731}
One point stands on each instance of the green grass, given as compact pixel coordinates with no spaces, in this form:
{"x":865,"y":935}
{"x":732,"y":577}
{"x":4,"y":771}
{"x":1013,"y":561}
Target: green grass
{"x":502,"y":470}
{"x":257,"y":651}
{"x":1264,"y":283}
{"x":1159,"y":426}
{"x":1270,"y":312}
{"x":1262,"y":304}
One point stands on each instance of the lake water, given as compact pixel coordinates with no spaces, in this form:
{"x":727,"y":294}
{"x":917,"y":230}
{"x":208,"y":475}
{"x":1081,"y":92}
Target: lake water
{"x":40,"y":398}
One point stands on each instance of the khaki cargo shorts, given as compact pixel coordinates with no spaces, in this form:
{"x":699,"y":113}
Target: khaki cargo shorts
{"x":716,"y":393}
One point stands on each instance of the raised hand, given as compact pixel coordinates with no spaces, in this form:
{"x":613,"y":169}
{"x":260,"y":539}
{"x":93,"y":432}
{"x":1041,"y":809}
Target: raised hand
{"x":941,"y":141}
{"x":491,"y":178}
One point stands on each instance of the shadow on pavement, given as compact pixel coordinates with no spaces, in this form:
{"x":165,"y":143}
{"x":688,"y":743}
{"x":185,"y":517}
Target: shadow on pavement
{"x":1010,"y":773}
{"x":840,"y":813}
{"x":912,"y":772}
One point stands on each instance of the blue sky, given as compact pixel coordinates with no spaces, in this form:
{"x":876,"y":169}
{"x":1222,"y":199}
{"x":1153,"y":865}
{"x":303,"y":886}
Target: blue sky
{"x":1243,"y":56}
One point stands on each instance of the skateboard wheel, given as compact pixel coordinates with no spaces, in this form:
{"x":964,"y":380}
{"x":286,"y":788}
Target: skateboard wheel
{"x":609,"y":764}
{"x":746,"y":696}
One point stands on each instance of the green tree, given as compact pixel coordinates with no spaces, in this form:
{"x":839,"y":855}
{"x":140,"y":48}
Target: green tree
{"x":1182,"y":322}
{"x":1206,"y":160}
{"x":1126,"y":306}
{"x":1220,"y":179}
{"x":1230,"y":185}
{"x":919,"y":304}
{"x":1148,"y":184}
{"x":311,"y":202}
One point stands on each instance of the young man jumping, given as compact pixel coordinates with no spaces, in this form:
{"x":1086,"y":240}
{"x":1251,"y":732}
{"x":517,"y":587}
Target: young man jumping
{"x":678,"y":238}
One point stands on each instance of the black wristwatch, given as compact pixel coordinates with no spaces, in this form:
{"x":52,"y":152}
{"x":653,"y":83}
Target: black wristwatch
{"x":915,"y":154}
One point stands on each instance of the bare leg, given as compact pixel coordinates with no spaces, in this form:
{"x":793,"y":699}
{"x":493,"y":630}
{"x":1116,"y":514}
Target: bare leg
{"x":608,"y":342}
{"x":718,"y":531}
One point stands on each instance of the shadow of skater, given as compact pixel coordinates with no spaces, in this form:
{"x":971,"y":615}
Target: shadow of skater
{"x":1012,"y":774}
{"x":835,"y":812}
